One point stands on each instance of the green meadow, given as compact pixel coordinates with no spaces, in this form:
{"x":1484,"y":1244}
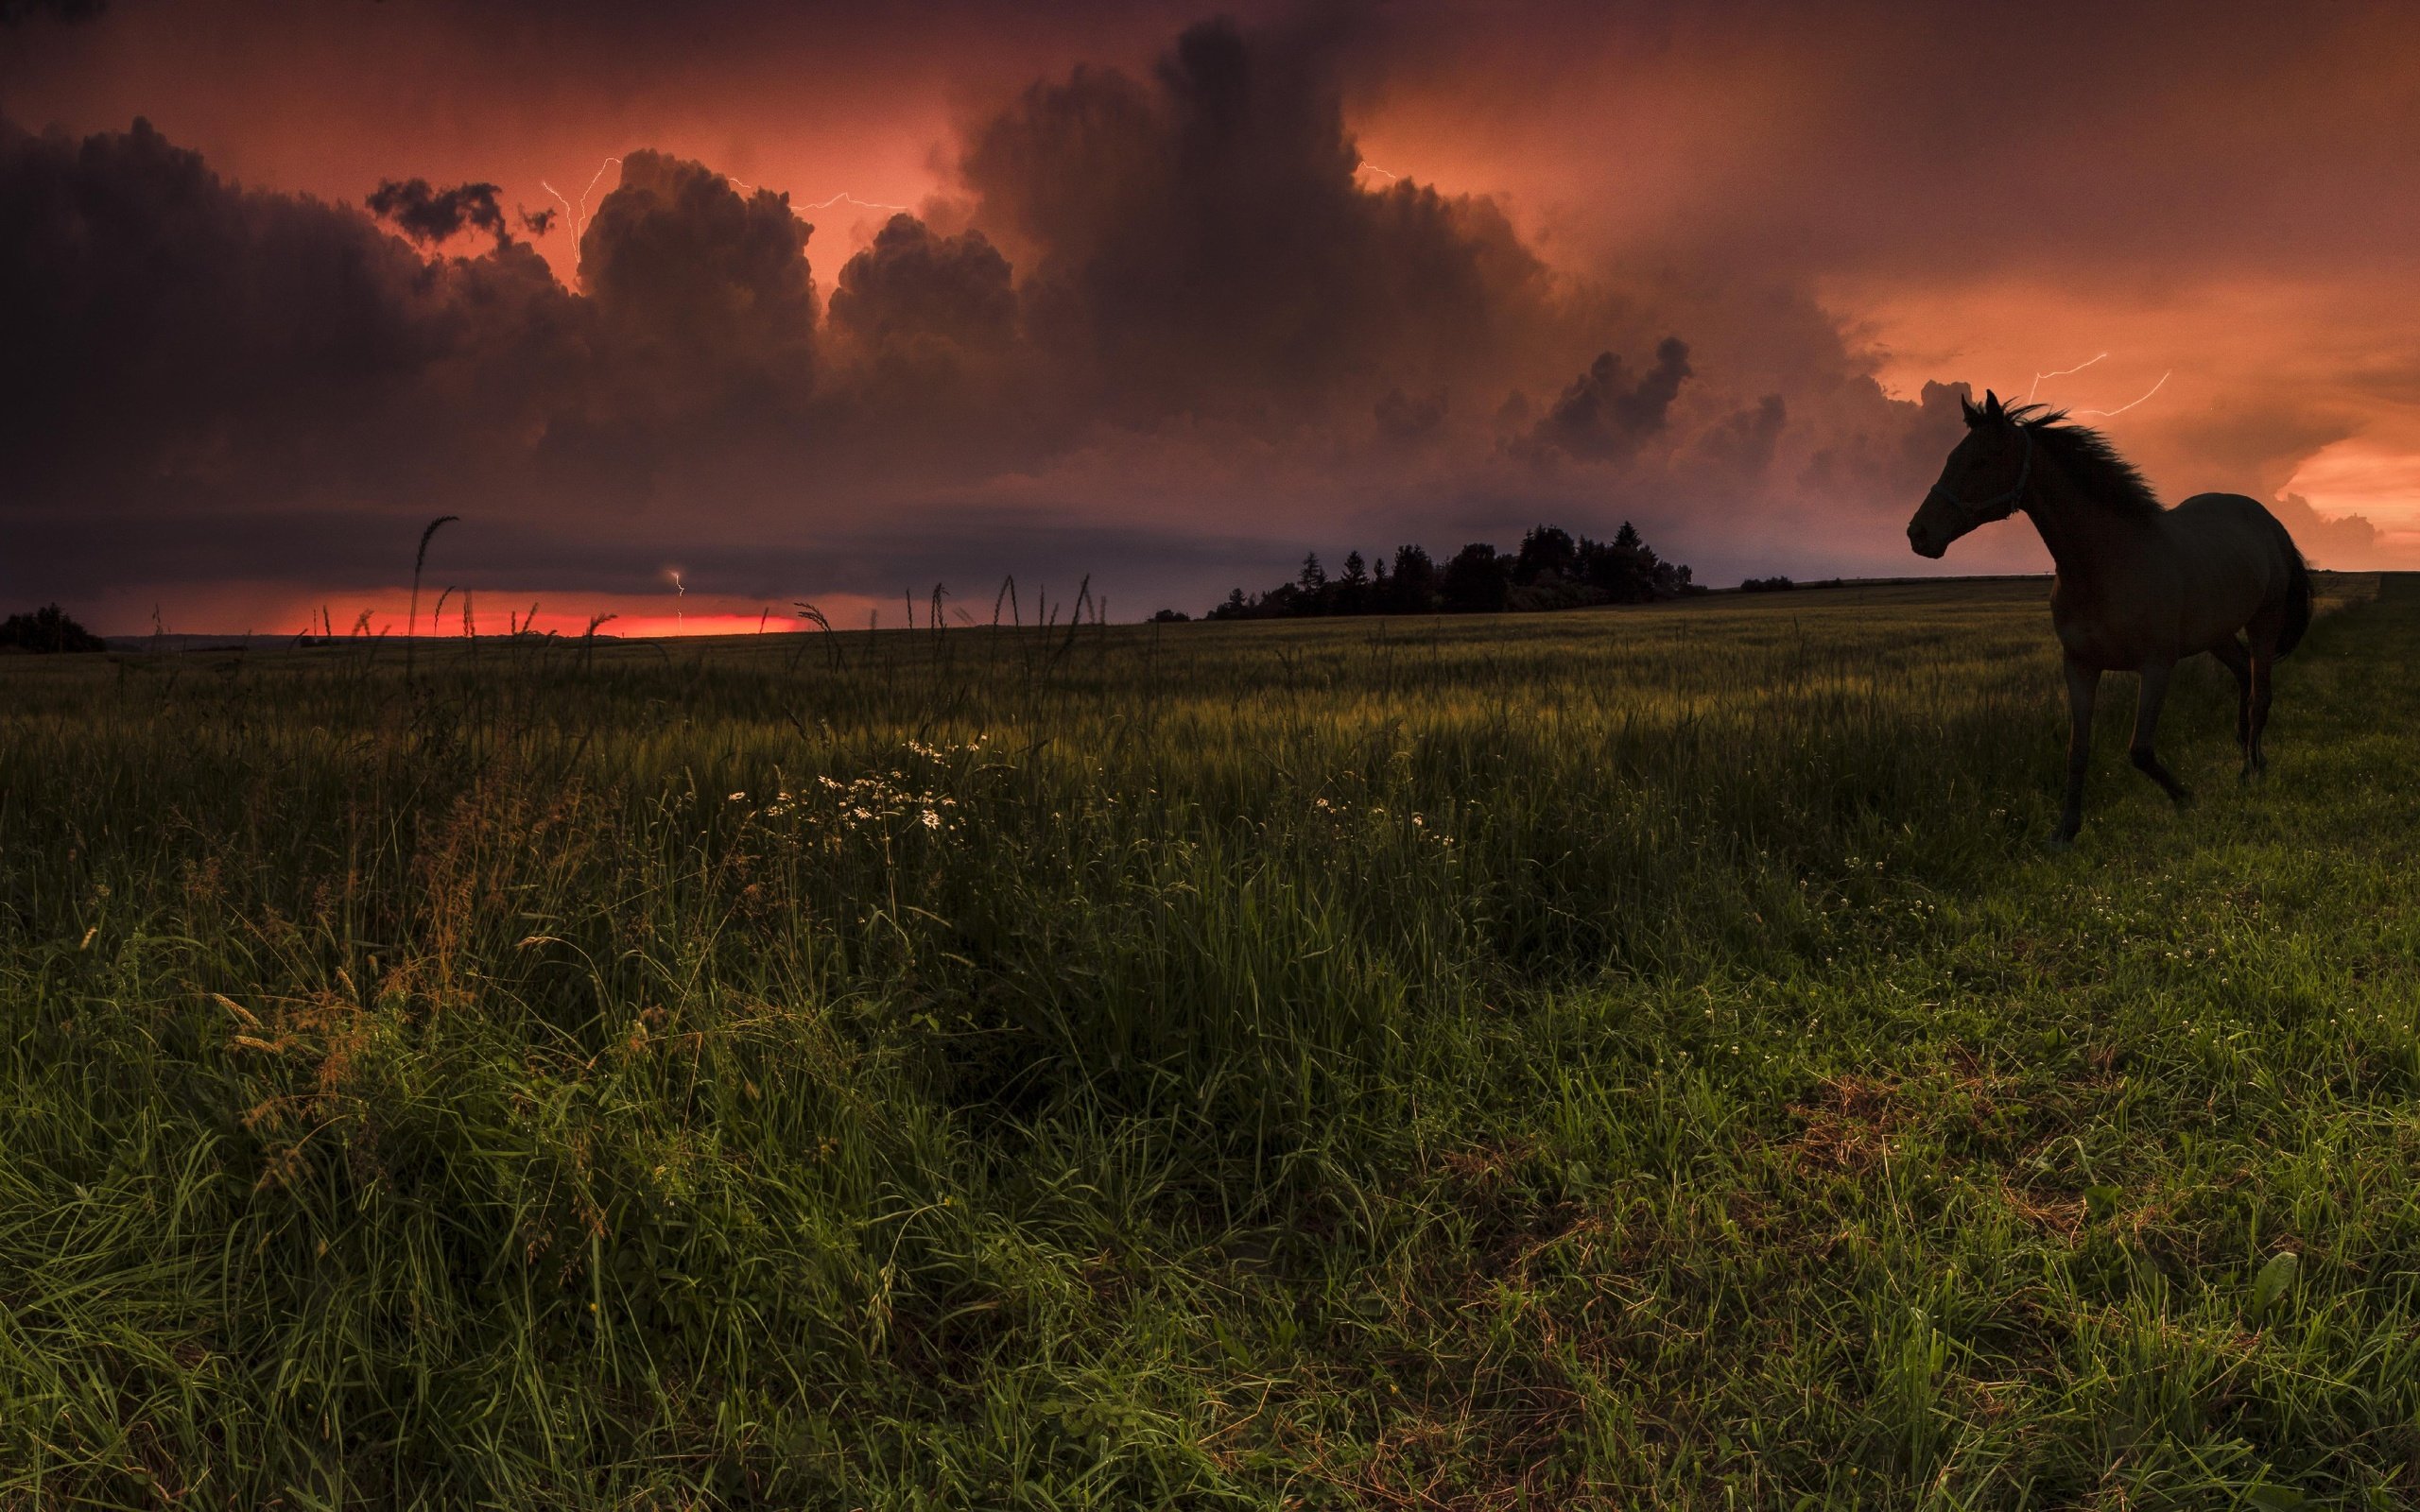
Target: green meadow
{"x":1629,"y":1059}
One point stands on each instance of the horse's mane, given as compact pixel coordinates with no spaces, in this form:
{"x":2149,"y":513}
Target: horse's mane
{"x":2101,"y":474}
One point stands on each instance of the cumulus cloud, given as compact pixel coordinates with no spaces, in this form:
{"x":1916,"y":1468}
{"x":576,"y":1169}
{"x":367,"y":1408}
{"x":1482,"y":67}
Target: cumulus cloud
{"x":1742,"y":443}
{"x":174,"y":336}
{"x":1198,"y":244}
{"x":704,"y":291}
{"x":911,"y":284}
{"x":1170,"y":288}
{"x":1605,"y":414}
{"x":190,"y":346}
{"x":2327,"y":541}
{"x":428,"y":215}
{"x":1893,"y":462}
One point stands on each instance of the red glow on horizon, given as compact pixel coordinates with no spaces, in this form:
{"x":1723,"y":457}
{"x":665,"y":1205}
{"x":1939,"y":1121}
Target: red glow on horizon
{"x":279,"y":609}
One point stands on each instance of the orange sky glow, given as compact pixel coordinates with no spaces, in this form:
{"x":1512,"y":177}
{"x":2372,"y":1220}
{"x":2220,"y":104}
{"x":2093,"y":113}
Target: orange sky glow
{"x":1831,"y":211}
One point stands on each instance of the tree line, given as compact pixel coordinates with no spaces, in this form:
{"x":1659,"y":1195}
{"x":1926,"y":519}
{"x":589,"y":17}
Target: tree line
{"x":1551,"y":571}
{"x":48,"y":629}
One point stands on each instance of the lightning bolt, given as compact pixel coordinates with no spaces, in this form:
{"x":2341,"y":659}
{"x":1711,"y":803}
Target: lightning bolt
{"x":824,"y":204}
{"x":2060,"y":373}
{"x":2081,"y":367}
{"x":609,"y":162}
{"x":2122,"y":408}
{"x":580,"y":216}
{"x":680,"y":593}
{"x":849,"y":199}
{"x":1366,"y":165}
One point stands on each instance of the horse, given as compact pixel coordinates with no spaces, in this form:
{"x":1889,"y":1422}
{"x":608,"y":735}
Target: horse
{"x":2140,"y":588}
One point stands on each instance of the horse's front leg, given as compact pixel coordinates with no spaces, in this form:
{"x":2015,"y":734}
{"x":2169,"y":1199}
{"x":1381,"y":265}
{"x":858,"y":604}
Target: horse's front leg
{"x":2154,"y":692}
{"x":2083,"y":686}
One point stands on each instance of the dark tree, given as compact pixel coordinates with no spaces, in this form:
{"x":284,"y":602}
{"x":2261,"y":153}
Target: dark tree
{"x":1626,"y":570}
{"x":1174,"y":616}
{"x":1476,"y":581}
{"x":1350,"y":593}
{"x":1551,"y":572}
{"x":1415,"y":582}
{"x":1547,"y":551}
{"x":48,"y":629}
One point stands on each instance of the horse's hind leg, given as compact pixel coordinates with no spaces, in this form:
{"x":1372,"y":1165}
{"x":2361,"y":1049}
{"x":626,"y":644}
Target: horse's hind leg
{"x":2154,"y":692}
{"x":2233,"y":656}
{"x":2263,"y":664}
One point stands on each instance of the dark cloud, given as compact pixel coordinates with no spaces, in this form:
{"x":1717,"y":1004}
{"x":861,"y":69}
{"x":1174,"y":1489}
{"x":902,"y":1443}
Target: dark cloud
{"x":704,"y":293}
{"x":231,"y":354}
{"x":1606,"y":414}
{"x":1165,"y":292}
{"x":1409,"y":417}
{"x":189,"y":346}
{"x":171,"y":334}
{"x":430,"y":215}
{"x":1213,"y":307}
{"x":969,"y":549}
{"x":912,"y":285}
{"x":1886,"y":466}
{"x":931,"y":377}
{"x":1742,"y":443}
{"x":17,"y":12}
{"x":537,"y":222}
{"x":2249,"y":442}
{"x":2327,"y":541}
{"x":1198,"y":243}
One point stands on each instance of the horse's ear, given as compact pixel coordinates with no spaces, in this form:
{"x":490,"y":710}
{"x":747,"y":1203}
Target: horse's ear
{"x":1974,"y":416}
{"x":1992,"y":406}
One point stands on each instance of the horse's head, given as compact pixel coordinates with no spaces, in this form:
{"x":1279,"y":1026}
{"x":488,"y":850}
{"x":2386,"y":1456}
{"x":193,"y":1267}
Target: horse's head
{"x":1985,"y":479}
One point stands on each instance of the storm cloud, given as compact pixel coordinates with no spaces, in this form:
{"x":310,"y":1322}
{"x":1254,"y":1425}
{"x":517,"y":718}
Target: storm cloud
{"x":913,"y":286}
{"x":1167,"y":306}
{"x":177,"y":338}
{"x":428,"y":215}
{"x":1606,"y":414}
{"x":1199,"y":242}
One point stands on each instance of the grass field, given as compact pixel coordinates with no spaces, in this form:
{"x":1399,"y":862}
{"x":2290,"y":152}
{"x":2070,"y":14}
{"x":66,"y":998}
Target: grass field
{"x":1627,"y":1058}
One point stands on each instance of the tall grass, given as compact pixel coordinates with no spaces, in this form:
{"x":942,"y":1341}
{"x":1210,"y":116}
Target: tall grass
{"x":1642,"y":1057}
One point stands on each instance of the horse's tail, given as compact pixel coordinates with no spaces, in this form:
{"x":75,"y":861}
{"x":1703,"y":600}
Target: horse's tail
{"x":2297,"y":597}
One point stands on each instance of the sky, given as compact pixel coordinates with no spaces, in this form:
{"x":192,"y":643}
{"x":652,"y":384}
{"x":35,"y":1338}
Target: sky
{"x":693,"y":313}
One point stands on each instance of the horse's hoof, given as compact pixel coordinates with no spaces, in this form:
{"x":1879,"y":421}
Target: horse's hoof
{"x":2182,"y":797}
{"x":2064,"y":840}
